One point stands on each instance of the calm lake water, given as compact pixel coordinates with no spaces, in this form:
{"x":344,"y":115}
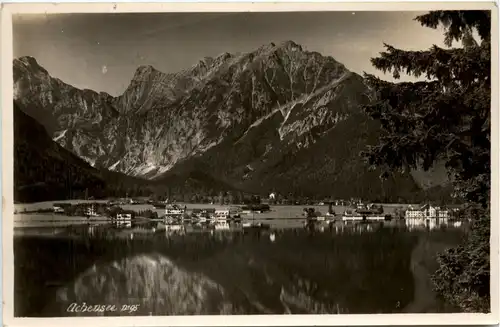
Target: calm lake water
{"x":146,"y":270}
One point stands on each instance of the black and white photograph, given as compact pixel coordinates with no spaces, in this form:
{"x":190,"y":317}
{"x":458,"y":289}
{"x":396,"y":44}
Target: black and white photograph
{"x":252,"y":163}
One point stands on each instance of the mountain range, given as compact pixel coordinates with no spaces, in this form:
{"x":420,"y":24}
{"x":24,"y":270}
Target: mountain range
{"x":279,"y":118}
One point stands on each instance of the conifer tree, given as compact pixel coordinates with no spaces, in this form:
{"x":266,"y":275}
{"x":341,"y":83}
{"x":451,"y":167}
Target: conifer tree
{"x":445,"y":117}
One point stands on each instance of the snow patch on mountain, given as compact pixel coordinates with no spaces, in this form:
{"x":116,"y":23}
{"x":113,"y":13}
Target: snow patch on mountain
{"x":115,"y":165}
{"x":91,"y":161}
{"x":59,"y":135}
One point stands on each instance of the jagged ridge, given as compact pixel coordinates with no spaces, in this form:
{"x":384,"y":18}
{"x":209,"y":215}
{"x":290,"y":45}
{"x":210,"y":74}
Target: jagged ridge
{"x":243,"y":118}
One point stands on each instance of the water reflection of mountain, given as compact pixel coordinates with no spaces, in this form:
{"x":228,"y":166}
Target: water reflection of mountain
{"x":341,"y":268}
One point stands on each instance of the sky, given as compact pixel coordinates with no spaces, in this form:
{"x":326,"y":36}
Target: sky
{"x":102,"y":51}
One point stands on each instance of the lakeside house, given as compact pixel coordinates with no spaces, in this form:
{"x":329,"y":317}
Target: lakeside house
{"x":196,"y":213}
{"x":221,"y":214}
{"x":235,"y":212}
{"x":361,"y":212}
{"x":255,"y":208}
{"x":227,"y":213}
{"x":202,"y":215}
{"x":426,"y":211}
{"x":414,"y":213}
{"x":124,"y":216}
{"x":349,"y":216}
{"x":123,"y":219}
{"x":91,"y":211}
{"x":312,"y":214}
{"x":206,"y":213}
{"x":60,"y":207}
{"x":174,"y":210}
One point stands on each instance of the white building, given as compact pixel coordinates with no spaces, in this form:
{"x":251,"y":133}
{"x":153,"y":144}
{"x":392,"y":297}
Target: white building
{"x":429,"y":211}
{"x":222,"y":214}
{"x":123,"y":220}
{"x":425,"y":212}
{"x":90,"y":211}
{"x":174,"y":210}
{"x":124,"y":216}
{"x":414,"y":213}
{"x":58,"y":208}
{"x":443,"y":213}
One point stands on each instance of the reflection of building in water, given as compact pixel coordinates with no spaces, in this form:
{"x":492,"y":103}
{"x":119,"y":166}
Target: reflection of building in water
{"x":357,"y":227}
{"x":430,"y":223}
{"x":91,"y":230}
{"x":414,"y":223}
{"x":173,"y":218}
{"x":218,"y":236}
{"x":339,"y":228}
{"x":123,"y":220}
{"x":175,"y":229}
{"x":221,"y":225}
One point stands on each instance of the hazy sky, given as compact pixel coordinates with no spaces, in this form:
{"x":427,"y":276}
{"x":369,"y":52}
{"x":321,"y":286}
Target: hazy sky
{"x":102,"y":51}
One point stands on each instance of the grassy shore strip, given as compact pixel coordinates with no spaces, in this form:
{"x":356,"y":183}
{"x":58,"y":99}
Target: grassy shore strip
{"x":277,"y":211}
{"x":21,"y":207}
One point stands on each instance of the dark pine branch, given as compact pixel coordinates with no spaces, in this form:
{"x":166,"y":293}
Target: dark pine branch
{"x":444,"y":118}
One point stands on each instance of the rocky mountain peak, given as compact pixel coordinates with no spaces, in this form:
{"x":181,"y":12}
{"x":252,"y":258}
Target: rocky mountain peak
{"x":221,"y":59}
{"x":144,"y":71}
{"x":28,"y":65}
{"x":265,"y":48}
{"x":183,"y":113}
{"x":104,"y":94}
{"x":272,"y":47}
{"x":223,"y":56}
{"x":28,"y":61}
{"x":205,"y":63}
{"x":290,"y":45}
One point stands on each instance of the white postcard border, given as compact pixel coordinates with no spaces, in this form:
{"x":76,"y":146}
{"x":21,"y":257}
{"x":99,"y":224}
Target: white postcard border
{"x":241,"y":320}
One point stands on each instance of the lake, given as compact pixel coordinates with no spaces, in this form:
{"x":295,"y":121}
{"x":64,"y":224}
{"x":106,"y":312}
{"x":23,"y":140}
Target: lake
{"x":147,"y":270}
